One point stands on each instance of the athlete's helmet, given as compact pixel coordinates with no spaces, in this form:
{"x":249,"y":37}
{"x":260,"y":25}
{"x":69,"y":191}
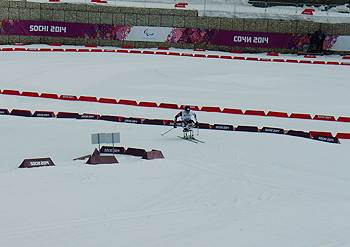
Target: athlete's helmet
{"x":187,"y":108}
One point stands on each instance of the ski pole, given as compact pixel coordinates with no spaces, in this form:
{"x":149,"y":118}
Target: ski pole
{"x":167,"y":131}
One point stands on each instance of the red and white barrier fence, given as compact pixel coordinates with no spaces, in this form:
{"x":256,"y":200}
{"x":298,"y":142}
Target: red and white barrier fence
{"x":56,"y":47}
{"x":176,"y":106}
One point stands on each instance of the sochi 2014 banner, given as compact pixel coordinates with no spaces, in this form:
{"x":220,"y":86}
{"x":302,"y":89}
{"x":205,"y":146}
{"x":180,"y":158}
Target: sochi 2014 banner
{"x":167,"y":34}
{"x":63,"y":29}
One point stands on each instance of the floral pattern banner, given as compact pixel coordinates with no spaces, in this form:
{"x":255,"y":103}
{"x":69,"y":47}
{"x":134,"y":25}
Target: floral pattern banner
{"x":7,"y":27}
{"x":167,"y":34}
{"x":298,"y":40}
{"x":99,"y":31}
{"x":192,"y":35}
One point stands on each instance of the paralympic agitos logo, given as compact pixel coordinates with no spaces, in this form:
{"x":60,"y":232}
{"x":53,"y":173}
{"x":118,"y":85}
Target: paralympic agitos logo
{"x":147,"y":33}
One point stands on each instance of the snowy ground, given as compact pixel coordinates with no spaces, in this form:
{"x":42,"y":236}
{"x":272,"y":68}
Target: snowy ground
{"x":236,"y":189}
{"x":240,"y":9}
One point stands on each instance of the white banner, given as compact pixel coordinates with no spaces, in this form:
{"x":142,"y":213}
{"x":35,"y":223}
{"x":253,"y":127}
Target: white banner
{"x":143,"y":33}
{"x":342,"y":44}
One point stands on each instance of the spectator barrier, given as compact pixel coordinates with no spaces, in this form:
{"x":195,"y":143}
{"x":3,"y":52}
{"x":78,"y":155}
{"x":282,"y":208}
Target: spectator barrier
{"x":4,"y":112}
{"x":168,"y":105}
{"x":277,"y":114}
{"x":199,"y":55}
{"x":148,"y":104}
{"x":254,"y":113}
{"x":253,"y":59}
{"x":322,"y":136}
{"x":49,"y":95}
{"x":298,"y":133}
{"x":135,"y":51}
{"x":68,"y":97}
{"x":110,"y":118}
{"x":108,"y":101}
{"x":344,"y":119}
{"x":225,"y":57}
{"x":247,"y":128}
{"x":161,"y":53}
{"x":20,"y":49}
{"x":22,"y":113}
{"x":131,"y":120}
{"x":44,"y":114}
{"x":314,"y":133}
{"x":193,"y":107}
{"x":278,"y":60}
{"x":127,"y":102}
{"x":325,"y":118}
{"x":11,"y":92}
{"x":68,"y":115}
{"x":343,"y":135}
{"x":305,"y":61}
{"x":319,"y":62}
{"x":164,"y":51}
{"x":211,"y":109}
{"x":222,"y":127}
{"x":300,"y":115}
{"x":265,"y":59}
{"x":272,"y":130}
{"x":187,"y":54}
{"x":88,"y":116}
{"x":154,"y":121}
{"x":175,"y":106}
{"x":30,"y":94}
{"x":326,"y":139}
{"x":88,"y":98}
{"x":204,"y":126}
{"x":232,"y":111}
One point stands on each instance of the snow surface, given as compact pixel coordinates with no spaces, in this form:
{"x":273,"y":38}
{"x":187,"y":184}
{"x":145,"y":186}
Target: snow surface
{"x":236,"y":189}
{"x":240,"y":9}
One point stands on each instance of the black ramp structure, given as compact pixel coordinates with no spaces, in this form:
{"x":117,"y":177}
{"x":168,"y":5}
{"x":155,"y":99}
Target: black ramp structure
{"x":96,"y":160}
{"x":135,"y":151}
{"x":154,"y":154}
{"x":36,"y":162}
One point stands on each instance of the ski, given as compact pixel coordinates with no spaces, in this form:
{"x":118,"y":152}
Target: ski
{"x":197,"y":140}
{"x":191,"y":139}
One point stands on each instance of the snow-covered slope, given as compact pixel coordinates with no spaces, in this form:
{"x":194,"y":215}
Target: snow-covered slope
{"x":236,"y":189}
